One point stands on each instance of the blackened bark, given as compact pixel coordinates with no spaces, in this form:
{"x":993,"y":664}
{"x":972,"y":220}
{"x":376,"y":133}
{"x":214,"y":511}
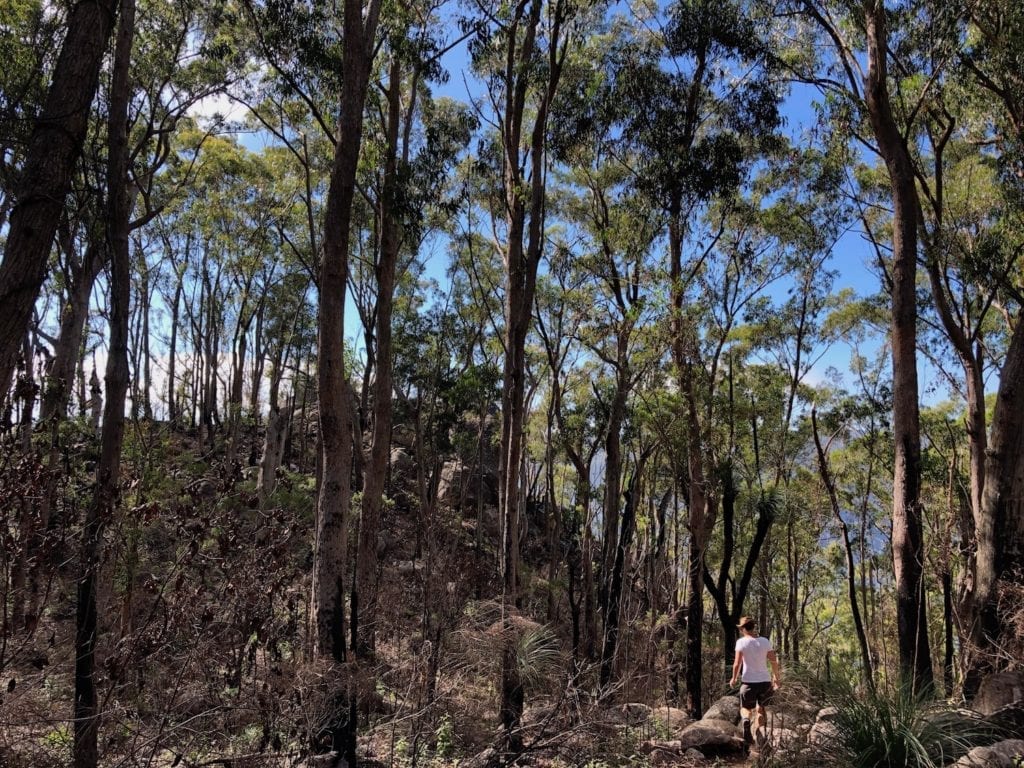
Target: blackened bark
{"x":625,"y":541}
{"x":106,"y":492}
{"x":380,"y":444}
{"x":53,"y":151}
{"x":330,"y":546}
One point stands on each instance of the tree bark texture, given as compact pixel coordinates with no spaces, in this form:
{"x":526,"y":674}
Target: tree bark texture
{"x":851,"y":572}
{"x":53,"y":151}
{"x":106,"y":492}
{"x":1000,"y":525}
{"x":329,"y":551}
{"x":380,"y":443}
{"x":907,"y":530}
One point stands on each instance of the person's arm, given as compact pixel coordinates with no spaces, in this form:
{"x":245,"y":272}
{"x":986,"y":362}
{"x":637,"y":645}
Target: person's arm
{"x":773,"y":659}
{"x":736,"y":667}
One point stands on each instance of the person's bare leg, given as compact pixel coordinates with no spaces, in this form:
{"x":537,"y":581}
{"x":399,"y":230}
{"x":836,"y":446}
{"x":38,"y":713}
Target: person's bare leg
{"x":761,"y":726}
{"x":747,"y":725}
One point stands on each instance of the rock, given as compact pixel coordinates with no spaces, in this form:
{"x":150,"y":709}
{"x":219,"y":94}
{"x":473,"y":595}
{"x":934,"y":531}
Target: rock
{"x":711,"y":736}
{"x":664,"y":754}
{"x":654,"y":745}
{"x":402,"y":464}
{"x":823,"y":732}
{"x":782,"y":737}
{"x":726,"y":708}
{"x":635,"y":713}
{"x":827,"y":715}
{"x":792,"y":711}
{"x":1003,"y":754}
{"x":463,"y":484}
{"x":486,"y":759}
{"x":694,"y":754}
{"x":998,"y":690}
{"x":670,"y":718}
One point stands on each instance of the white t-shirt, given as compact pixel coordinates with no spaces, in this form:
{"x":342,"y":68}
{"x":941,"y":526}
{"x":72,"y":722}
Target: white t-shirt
{"x":755,"y":659}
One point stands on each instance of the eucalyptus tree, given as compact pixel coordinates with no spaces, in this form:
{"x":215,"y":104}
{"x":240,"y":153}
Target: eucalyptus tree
{"x":53,"y":150}
{"x":695,"y":131}
{"x":419,"y":139}
{"x":515,"y":43}
{"x":105,"y":493}
{"x":562,"y":305}
{"x":883,"y":111}
{"x":992,"y":55}
{"x":617,"y":231}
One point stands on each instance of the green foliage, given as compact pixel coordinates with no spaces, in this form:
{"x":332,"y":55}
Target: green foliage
{"x":895,"y":728}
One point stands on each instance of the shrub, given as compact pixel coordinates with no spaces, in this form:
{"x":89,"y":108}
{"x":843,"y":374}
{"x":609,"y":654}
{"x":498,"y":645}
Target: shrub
{"x":895,"y":728}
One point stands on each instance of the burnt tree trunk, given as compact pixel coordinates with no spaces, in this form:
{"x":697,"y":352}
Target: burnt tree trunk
{"x":380,"y":443}
{"x":53,"y":151}
{"x":106,"y":491}
{"x":334,"y":487}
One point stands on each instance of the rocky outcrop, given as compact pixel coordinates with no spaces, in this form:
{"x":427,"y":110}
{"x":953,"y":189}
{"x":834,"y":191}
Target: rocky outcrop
{"x":998,"y":691}
{"x":462,"y":485}
{"x":1004,"y":754}
{"x":726,"y":708}
{"x":711,"y":737}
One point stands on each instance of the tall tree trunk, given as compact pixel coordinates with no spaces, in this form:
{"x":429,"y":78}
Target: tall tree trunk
{"x":147,"y":373}
{"x":612,"y":493}
{"x":851,"y":571}
{"x":330,"y":546}
{"x":67,"y":350}
{"x":53,"y":151}
{"x":1000,"y":525}
{"x":908,"y":536}
{"x":106,"y":492}
{"x":522,"y":196}
{"x":380,"y":442}
{"x":614,"y":604}
{"x":172,"y":352}
{"x":697,"y":502}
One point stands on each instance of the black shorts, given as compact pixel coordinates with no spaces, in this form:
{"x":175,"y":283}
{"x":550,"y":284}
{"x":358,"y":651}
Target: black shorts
{"x":752,"y":694}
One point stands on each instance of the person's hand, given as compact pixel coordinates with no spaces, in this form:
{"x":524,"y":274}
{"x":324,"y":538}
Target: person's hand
{"x":776,"y":685}
{"x":732,"y":683}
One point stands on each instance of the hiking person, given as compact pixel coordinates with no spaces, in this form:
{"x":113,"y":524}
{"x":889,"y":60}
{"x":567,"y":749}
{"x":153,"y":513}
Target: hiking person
{"x":754,"y":654}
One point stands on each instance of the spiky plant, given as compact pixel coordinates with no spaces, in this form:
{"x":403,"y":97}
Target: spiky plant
{"x":895,"y":728}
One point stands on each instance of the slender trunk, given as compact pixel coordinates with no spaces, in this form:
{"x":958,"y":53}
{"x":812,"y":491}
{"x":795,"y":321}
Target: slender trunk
{"x":380,"y":442}
{"x":613,"y":485}
{"x":106,"y":493}
{"x":625,"y":541}
{"x":147,"y":372}
{"x":52,"y":153}
{"x":67,"y":351}
{"x":274,"y":443}
{"x":172,"y":405}
{"x":908,"y":536}
{"x":331,"y":543}
{"x":851,"y":572}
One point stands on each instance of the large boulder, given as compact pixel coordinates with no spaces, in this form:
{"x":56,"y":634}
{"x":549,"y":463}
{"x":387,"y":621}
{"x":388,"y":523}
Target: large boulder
{"x":1003,"y":754}
{"x":671,"y":719}
{"x":463,"y":484}
{"x":999,"y":690}
{"x":711,"y":737}
{"x":726,"y":708}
